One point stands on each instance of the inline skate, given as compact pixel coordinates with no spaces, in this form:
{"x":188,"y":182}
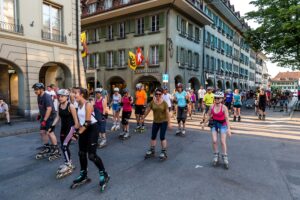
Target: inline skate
{"x":80,"y":180}
{"x":55,"y":153}
{"x":103,"y":180}
{"x":225,"y":161}
{"x":102,"y":143}
{"x":125,"y":136}
{"x":163,"y":155}
{"x":216,"y":159}
{"x":65,"y":170}
{"x":150,"y":153}
{"x":45,"y":152}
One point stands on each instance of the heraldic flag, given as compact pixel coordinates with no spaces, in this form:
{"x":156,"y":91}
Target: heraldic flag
{"x":132,"y":60}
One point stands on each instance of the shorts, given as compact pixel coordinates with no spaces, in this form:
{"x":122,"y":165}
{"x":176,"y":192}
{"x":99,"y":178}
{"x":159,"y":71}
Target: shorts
{"x":49,"y":123}
{"x":228,"y":105}
{"x":237,"y":106}
{"x":262,"y":107}
{"x":125,"y":117}
{"x":200,"y":100}
{"x":207,"y":107}
{"x":219,"y":127}
{"x":102,"y":124}
{"x":181,"y":114}
{"x":139,"y":109}
{"x":116,"y":107}
{"x":159,"y":126}
{"x":4,"y":108}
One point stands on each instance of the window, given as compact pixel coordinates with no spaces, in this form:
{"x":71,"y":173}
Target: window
{"x":91,"y":35}
{"x":190,"y":57}
{"x":197,"y":34}
{"x":107,"y":4}
{"x":7,"y":11}
{"x":122,"y":58}
{"x":92,"y":8}
{"x":52,"y":20}
{"x":207,"y":61}
{"x":140,"y":26}
{"x":182,"y":56}
{"x":219,"y":64}
{"x":183,"y":27}
{"x":155,"y":23}
{"x":208,"y":35}
{"x":122,"y":30}
{"x":124,"y":2}
{"x":196,"y":61}
{"x":212,"y":60}
{"x":110,"y":32}
{"x":154,"y":55}
{"x":109,"y":59}
{"x":190,"y":34}
{"x":91,"y":61}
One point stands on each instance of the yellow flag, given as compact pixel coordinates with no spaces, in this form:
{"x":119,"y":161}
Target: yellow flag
{"x":132,"y":60}
{"x":84,"y":44}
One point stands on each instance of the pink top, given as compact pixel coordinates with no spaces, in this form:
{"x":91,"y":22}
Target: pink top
{"x":98,"y":104}
{"x":220,"y":116}
{"x":126,"y":104}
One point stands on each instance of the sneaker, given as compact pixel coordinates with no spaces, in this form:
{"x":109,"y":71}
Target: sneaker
{"x":102,"y":143}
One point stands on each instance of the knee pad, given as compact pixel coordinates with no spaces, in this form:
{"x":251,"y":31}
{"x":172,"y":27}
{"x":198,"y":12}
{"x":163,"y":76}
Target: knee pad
{"x":64,"y":148}
{"x":93,"y":157}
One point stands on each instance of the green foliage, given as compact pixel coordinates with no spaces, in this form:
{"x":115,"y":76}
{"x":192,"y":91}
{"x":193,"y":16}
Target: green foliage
{"x":279,"y":30}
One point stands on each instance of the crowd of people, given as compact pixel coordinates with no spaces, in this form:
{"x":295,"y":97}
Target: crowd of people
{"x":84,"y":118}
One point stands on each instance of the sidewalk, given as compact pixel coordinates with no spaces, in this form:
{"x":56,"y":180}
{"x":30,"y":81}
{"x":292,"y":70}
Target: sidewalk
{"x":18,"y":128}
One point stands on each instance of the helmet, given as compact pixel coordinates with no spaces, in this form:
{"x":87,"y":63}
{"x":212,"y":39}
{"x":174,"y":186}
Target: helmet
{"x":104,"y":93}
{"x":219,"y":94}
{"x":210,"y":88}
{"x":38,"y":86}
{"x":165,"y":88}
{"x":116,"y":89}
{"x":179,"y":85}
{"x":98,"y":90}
{"x":139,"y":86}
{"x":63,"y":92}
{"x":125,"y":90}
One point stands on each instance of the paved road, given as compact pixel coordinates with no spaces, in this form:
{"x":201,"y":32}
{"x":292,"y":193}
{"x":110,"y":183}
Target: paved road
{"x":261,"y":166}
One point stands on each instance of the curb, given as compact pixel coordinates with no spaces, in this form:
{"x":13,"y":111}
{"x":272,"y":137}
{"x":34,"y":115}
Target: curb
{"x":19,"y":132}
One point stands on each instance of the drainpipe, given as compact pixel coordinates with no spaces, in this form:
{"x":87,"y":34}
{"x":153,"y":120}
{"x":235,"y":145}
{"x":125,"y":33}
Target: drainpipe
{"x":77,"y":43}
{"x":203,"y":59}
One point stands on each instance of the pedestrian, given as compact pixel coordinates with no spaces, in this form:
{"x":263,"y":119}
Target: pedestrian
{"x":228,"y":100}
{"x":101,"y":114}
{"x":140,"y":106}
{"x":46,"y":117}
{"x":88,"y":138}
{"x":208,"y":101}
{"x":237,"y":104}
{"x":182,"y":99}
{"x":116,"y":108}
{"x":201,"y":93}
{"x":193,"y":101}
{"x":262,"y":103}
{"x":219,"y":123}
{"x":161,"y":121}
{"x":5,"y":110}
{"x":126,"y":103}
{"x":69,"y":123}
{"x":167,"y":97}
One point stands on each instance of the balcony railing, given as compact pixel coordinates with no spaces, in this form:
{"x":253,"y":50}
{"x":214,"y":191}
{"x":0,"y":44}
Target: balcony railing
{"x":11,"y":27}
{"x":54,"y":37}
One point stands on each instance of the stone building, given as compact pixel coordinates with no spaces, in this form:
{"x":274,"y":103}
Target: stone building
{"x":38,"y":43}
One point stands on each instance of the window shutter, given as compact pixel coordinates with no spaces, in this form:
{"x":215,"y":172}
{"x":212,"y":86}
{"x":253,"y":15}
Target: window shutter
{"x":161,"y":53}
{"x":146,"y":23}
{"x":132,"y":25}
{"x":186,"y":59}
{"x":178,"y":54}
{"x":178,"y":23}
{"x":161,"y":20}
{"x":115,"y":58}
{"x":127,"y":27}
{"x":103,"y":32}
{"x":116,"y":29}
{"x":126,"y":56}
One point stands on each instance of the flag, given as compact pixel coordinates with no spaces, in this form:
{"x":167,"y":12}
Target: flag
{"x":83,"y":44}
{"x":139,"y":57}
{"x":132,"y":60}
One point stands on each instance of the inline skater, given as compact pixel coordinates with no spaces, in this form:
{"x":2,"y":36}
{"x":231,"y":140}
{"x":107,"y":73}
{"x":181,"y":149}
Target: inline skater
{"x":262,"y":104}
{"x":167,"y":97}
{"x":102,"y":109}
{"x":46,"y":117}
{"x":193,"y":101}
{"x":208,"y":100}
{"x":140,"y":106}
{"x":116,"y":108}
{"x":181,"y":98}
{"x":201,"y":93}
{"x":126,"y":103}
{"x":88,"y":138}
{"x":228,"y":100}
{"x":69,"y":123}
{"x":219,"y":123}
{"x":161,"y":121}
{"x":237,"y":104}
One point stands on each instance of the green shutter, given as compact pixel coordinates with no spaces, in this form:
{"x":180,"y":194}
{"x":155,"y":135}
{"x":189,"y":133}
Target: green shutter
{"x":115,"y":58}
{"x":127,"y":27}
{"x":102,"y":59}
{"x":161,"y":20}
{"x":161,"y":53}
{"x":186,"y":57}
{"x":116,"y":29}
{"x":126,"y":56}
{"x":178,"y":54}
{"x":146,"y":23}
{"x":178,"y":23}
{"x":132,"y":25}
{"x":103,"y":32}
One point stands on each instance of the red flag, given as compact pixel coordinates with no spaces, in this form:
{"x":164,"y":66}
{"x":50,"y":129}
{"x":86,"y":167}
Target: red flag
{"x":139,"y":57}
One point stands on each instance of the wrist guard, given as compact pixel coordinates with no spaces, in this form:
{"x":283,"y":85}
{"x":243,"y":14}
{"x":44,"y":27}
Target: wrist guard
{"x":76,"y":135}
{"x":87,"y":124}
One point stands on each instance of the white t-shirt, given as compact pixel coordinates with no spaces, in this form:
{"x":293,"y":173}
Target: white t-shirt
{"x":167,"y":98}
{"x":201,"y":93}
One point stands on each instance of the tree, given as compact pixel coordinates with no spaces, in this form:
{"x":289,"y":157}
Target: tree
{"x":279,"y":31}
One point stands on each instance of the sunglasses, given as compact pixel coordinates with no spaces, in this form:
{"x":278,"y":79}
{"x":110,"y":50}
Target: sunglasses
{"x":157,"y":94}
{"x":217,"y":98}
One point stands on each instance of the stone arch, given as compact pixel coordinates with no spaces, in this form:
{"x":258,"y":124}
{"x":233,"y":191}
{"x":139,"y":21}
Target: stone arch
{"x":115,"y":81}
{"x":150,"y":83}
{"x":228,"y":86}
{"x":220,"y":84}
{"x":235,"y":85}
{"x":178,"y":79}
{"x":209,"y":83}
{"x":194,"y":83}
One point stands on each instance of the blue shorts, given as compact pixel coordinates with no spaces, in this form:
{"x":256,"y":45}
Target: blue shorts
{"x":116,"y":107}
{"x":219,"y":127}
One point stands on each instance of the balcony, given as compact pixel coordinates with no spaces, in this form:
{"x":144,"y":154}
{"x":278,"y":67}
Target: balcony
{"x":54,"y":37}
{"x":12,"y":28}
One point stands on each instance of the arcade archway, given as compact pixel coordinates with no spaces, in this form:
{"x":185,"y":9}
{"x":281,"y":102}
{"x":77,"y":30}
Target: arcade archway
{"x":114,"y":82}
{"x":150,"y":83}
{"x":194,"y":83}
{"x":220,"y":85}
{"x":209,"y":83}
{"x":228,"y":85}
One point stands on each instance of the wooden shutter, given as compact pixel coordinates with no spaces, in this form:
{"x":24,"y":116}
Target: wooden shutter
{"x":115,"y":58}
{"x":132,"y":25}
{"x":178,"y":23}
{"x":161,"y":53}
{"x":161,"y":20}
{"x":147,"y":23}
{"x":177,"y":54}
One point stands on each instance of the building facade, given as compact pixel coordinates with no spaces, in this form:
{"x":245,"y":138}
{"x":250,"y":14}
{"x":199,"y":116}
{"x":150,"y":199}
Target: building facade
{"x":286,"y":81}
{"x":169,"y":34}
{"x":38,"y":43}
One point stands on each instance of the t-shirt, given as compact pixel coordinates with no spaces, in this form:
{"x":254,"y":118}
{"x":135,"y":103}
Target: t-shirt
{"x":117,"y":99}
{"x":201,"y":93}
{"x":167,"y":99}
{"x":237,"y":99}
{"x":127,"y":104}
{"x":44,"y":102}
{"x":229,"y":97}
{"x":141,"y":97}
{"x":181,"y":100}
{"x":208,"y":99}
{"x":159,"y":112}
{"x":3,"y":108}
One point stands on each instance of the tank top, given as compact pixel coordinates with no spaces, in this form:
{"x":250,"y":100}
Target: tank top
{"x":81,"y":115}
{"x":66,"y":118}
{"x":126,"y":104}
{"x":99,"y":104}
{"x":220,"y":116}
{"x":262,"y":99}
{"x":116,"y":99}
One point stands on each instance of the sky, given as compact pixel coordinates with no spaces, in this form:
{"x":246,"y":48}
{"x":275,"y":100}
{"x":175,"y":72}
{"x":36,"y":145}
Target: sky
{"x":243,"y":6}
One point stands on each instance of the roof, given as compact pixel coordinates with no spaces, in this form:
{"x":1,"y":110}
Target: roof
{"x":287,"y":76}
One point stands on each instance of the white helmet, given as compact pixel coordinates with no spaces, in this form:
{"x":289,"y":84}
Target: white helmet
{"x":139,"y":86}
{"x":116,"y":89}
{"x":219,"y":95}
{"x":98,"y":90}
{"x":63,"y":92}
